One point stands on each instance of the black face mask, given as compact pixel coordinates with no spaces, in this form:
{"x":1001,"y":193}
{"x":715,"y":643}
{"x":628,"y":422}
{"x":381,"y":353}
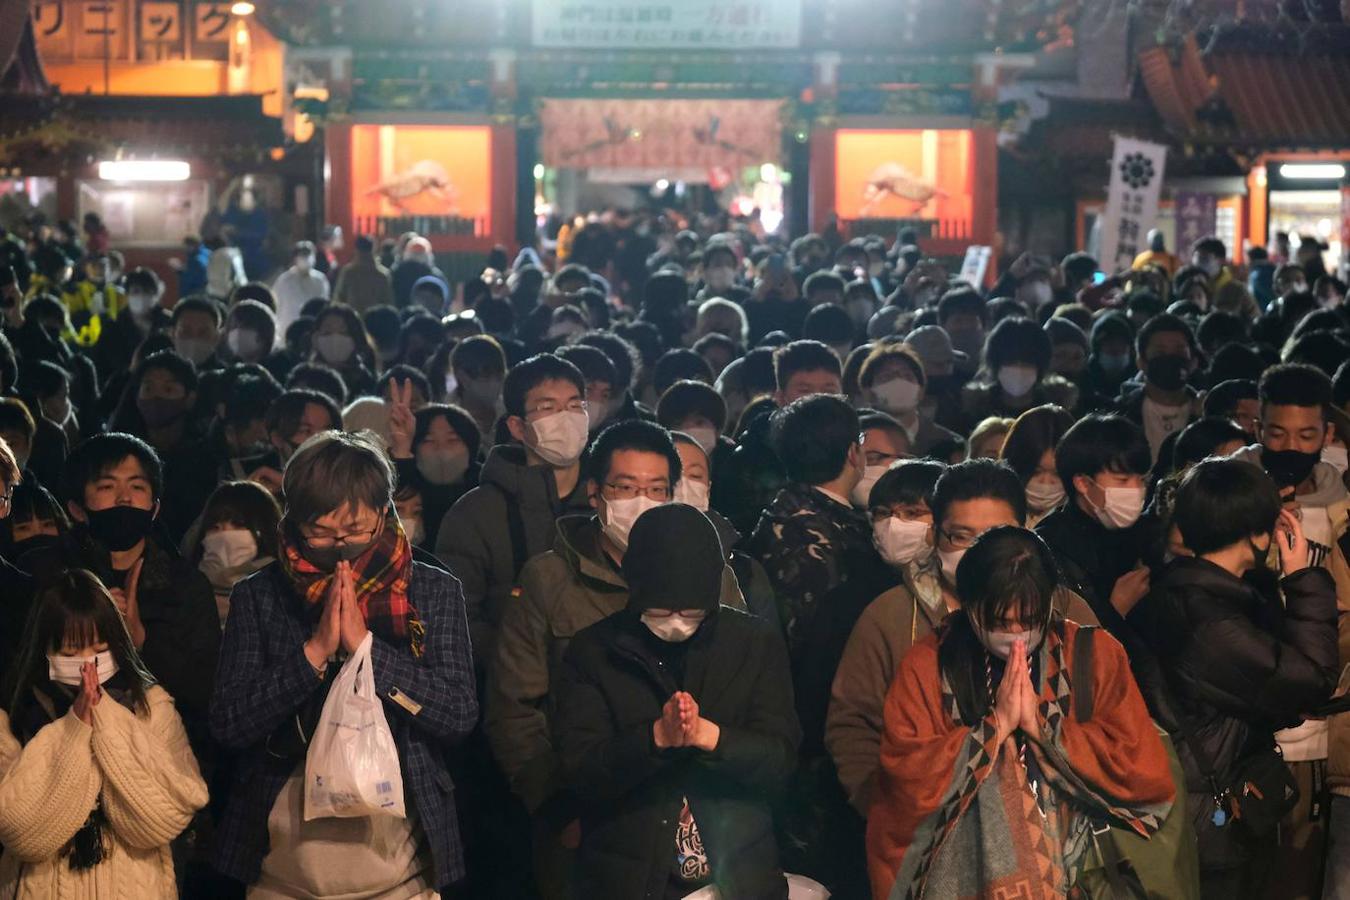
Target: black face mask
{"x":325,"y":559}
{"x":1288,"y":468}
{"x":119,"y":528}
{"x":159,"y":412}
{"x":37,"y":554}
{"x":1167,"y":372}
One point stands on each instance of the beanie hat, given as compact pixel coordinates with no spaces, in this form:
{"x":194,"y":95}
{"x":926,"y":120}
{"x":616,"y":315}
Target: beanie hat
{"x":674,"y":560}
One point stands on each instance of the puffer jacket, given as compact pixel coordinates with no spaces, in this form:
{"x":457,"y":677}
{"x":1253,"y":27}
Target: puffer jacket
{"x":1223,"y":654}
{"x":561,"y":592}
{"x":474,"y":539}
{"x":611,"y":690}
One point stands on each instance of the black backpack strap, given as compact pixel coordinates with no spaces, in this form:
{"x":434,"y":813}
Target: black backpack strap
{"x":515,"y":526}
{"x":1081,"y":673}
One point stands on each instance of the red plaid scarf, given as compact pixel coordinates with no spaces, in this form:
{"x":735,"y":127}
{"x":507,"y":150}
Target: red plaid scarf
{"x":382,"y":574}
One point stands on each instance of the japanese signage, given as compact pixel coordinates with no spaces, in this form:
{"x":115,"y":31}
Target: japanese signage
{"x":1197,"y":216}
{"x":691,"y":24}
{"x":1132,"y":204}
{"x":131,"y":29}
{"x":975,"y":265}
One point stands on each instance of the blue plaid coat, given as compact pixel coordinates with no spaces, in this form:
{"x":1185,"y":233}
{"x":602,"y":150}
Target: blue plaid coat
{"x":264,"y":678}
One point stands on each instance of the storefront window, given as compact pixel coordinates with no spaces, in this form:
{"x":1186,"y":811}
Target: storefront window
{"x":153,"y":215}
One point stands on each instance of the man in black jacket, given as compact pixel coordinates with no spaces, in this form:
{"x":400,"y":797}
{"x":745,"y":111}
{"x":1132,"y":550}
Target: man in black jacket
{"x":675,"y":724}
{"x":1223,"y":664}
{"x":113,"y":487}
{"x":1097,"y":535}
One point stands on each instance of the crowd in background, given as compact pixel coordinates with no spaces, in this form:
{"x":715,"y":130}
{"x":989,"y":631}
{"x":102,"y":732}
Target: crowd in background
{"x":687,"y":559}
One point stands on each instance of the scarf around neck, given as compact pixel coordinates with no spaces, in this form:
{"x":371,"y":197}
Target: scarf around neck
{"x":382,"y":575}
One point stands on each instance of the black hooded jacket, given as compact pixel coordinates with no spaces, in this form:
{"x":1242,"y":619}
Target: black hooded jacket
{"x":613,"y":685}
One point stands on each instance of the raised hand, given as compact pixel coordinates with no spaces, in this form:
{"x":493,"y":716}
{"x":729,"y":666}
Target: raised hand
{"x":1008,"y":702}
{"x":353,"y":622}
{"x":89,"y":695}
{"x":667,"y":731}
{"x":1288,"y":536}
{"x":402,"y":424}
{"x":328,"y":633}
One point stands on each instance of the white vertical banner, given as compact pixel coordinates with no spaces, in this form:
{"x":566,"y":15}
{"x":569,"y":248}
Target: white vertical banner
{"x":1132,"y":201}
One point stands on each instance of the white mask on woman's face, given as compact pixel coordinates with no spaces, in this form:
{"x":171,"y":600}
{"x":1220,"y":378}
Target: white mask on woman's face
{"x":1017,"y":380}
{"x":244,"y":343}
{"x":901,"y":541}
{"x":335,"y":348}
{"x":1044,"y":494}
{"x":899,"y":396}
{"x":228,"y":548}
{"x":66,"y":669}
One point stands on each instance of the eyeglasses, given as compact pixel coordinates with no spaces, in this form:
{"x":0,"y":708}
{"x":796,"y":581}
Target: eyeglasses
{"x":683,"y":613}
{"x":658,"y":492}
{"x":549,"y":407}
{"x":321,"y":539}
{"x":963,"y":540}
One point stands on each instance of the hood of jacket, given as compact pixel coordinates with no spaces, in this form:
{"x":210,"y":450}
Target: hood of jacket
{"x":578,"y":543}
{"x":1327,"y":485}
{"x":532,"y":487}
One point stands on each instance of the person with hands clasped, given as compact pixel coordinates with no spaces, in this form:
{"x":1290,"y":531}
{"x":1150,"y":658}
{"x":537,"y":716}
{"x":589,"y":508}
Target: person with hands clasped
{"x":675,"y":725}
{"x":96,"y":775}
{"x":981,"y":727}
{"x":344,"y":570}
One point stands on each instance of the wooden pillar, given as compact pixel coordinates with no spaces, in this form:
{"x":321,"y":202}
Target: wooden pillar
{"x":502,"y":175}
{"x":337,"y":183}
{"x":984,"y":186}
{"x":824,"y":152}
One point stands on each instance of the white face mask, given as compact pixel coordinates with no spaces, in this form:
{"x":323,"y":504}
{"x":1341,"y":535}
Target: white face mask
{"x":875,"y":269}
{"x":692,"y":493}
{"x":617,"y":517}
{"x":674,"y":629}
{"x":1000,"y":643}
{"x":560,"y":438}
{"x":1122,"y":507}
{"x":335,"y":349}
{"x":440,"y":467}
{"x":66,"y":669}
{"x":898,"y":396}
{"x":862,"y":491}
{"x":1017,"y":380}
{"x":1044,"y":494}
{"x":706,"y":437}
{"x":304,"y":263}
{"x":228,"y":548}
{"x":195,"y":350}
{"x":721,"y":277}
{"x":901,"y":541}
{"x":1336,"y":457}
{"x":1038,"y":294}
{"x":950,"y":559}
{"x":244,"y":343}
{"x":141,"y":303}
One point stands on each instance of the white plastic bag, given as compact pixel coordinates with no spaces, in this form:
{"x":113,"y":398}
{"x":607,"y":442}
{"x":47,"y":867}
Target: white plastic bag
{"x":352,"y":768}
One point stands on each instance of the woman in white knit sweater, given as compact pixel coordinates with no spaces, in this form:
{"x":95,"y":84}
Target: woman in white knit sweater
{"x":96,"y":776}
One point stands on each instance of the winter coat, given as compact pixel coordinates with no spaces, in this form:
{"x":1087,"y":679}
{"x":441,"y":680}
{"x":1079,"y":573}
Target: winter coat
{"x":265,"y":680}
{"x":887,"y":629}
{"x":1220,"y":654}
{"x":1092,"y":557}
{"x":475,"y":538}
{"x":809,"y":544}
{"x":182,"y":627}
{"x":611,"y":690}
{"x":561,"y":592}
{"x":749,"y":478}
{"x":364,"y":283}
{"x":138,"y":764}
{"x":979,"y":401}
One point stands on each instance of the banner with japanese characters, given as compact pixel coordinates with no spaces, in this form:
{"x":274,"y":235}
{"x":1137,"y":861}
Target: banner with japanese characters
{"x":1197,"y":216}
{"x":690,"y":24}
{"x":1132,"y":204}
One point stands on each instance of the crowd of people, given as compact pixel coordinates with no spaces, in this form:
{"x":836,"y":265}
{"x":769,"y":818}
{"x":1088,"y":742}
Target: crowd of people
{"x":691,"y":564}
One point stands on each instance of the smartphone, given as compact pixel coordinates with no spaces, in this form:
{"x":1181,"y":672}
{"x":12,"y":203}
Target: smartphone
{"x":1098,"y":277}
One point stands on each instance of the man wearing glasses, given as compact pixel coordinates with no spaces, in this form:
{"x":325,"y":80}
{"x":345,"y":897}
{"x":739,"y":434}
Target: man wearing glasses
{"x":633,"y":466}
